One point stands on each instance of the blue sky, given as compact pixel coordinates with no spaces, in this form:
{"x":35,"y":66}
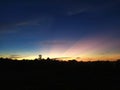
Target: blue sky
{"x":25,"y":26}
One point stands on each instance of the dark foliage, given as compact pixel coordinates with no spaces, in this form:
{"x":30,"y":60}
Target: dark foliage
{"x":59,"y":75}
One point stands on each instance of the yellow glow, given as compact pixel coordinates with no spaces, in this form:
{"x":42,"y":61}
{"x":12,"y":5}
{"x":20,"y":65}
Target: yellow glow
{"x":85,"y":49}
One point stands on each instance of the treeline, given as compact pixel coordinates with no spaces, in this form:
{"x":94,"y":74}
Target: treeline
{"x":51,"y":63}
{"x":59,"y":75}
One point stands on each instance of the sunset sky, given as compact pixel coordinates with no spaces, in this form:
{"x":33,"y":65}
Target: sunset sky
{"x":62,"y":29}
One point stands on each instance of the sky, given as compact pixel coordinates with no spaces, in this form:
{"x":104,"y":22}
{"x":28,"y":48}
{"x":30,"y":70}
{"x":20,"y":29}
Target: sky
{"x":61,"y":29}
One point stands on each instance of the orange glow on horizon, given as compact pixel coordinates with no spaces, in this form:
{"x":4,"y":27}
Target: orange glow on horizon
{"x":82,"y":50}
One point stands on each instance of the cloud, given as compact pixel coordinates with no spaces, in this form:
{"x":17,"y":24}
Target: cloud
{"x":15,"y":56}
{"x":63,"y":58}
{"x":7,"y":28}
{"x":8,"y":31}
{"x":9,"y":25}
{"x":55,"y":42}
{"x":76,"y":11}
{"x":77,"y":7}
{"x":13,"y":27}
{"x":78,"y":58}
{"x":67,"y":58}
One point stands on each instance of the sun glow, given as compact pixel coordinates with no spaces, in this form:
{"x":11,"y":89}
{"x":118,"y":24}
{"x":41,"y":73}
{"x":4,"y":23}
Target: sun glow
{"x":86,"y":49}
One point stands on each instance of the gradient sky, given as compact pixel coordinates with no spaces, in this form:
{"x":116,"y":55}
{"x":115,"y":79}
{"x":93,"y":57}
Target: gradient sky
{"x":62,"y":29}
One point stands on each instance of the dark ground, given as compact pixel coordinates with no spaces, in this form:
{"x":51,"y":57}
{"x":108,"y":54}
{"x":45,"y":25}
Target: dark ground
{"x":56,"y":75}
